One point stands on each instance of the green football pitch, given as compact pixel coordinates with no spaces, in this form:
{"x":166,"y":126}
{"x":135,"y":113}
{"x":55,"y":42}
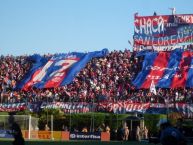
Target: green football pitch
{"x":76,"y":143}
{"x":5,"y":142}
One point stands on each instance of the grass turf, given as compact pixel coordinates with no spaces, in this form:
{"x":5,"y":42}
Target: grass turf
{"x":48,"y":142}
{"x":5,"y":142}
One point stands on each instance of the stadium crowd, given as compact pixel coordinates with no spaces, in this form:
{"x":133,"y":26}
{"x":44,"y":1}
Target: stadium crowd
{"x":103,"y":79}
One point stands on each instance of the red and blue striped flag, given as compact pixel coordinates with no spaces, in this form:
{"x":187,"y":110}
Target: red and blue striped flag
{"x":167,"y":69}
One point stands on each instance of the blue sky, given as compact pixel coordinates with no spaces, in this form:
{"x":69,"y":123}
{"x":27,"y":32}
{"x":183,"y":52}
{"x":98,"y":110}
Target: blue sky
{"x":60,"y":26}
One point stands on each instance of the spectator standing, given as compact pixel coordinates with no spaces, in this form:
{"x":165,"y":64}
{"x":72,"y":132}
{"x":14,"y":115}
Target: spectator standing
{"x":64,"y":128}
{"x":126,"y":133}
{"x":85,"y":130}
{"x":138,"y":133}
{"x":107,"y":129}
{"x":46,"y":128}
{"x":170,"y":135}
{"x":16,"y":131}
{"x":145,"y":132}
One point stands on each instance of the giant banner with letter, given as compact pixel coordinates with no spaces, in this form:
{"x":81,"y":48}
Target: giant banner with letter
{"x":57,"y":71}
{"x":163,"y":30}
{"x":167,"y":69}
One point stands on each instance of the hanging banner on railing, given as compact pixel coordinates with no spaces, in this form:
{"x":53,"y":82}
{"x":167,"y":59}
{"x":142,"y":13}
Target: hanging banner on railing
{"x":12,"y":107}
{"x":117,"y":107}
{"x":67,"y":107}
{"x":163,"y":30}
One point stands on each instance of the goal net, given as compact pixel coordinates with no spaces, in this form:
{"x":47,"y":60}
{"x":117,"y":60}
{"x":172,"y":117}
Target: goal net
{"x":27,"y":123}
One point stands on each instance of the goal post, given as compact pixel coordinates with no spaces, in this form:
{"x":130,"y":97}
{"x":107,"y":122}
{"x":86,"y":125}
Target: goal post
{"x":27,"y":124}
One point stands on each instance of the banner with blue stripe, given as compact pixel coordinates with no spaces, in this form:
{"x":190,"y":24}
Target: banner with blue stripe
{"x":57,"y":71}
{"x":166,"y":69}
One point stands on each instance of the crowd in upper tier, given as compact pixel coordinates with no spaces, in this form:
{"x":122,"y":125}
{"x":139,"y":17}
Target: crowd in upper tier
{"x":103,"y":79}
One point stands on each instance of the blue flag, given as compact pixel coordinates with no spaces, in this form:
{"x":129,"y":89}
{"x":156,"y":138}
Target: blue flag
{"x":57,"y":71}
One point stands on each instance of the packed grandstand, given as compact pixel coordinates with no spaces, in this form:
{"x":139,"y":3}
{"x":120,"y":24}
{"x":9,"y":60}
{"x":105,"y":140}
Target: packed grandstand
{"x":109,"y":81}
{"x":105,"y":85}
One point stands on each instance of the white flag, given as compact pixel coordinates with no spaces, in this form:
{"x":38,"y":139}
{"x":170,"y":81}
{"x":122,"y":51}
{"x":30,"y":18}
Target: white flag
{"x":152,"y":88}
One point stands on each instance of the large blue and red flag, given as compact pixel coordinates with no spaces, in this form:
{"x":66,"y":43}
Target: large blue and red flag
{"x":57,"y":71}
{"x":163,"y":30}
{"x":166,"y":69}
